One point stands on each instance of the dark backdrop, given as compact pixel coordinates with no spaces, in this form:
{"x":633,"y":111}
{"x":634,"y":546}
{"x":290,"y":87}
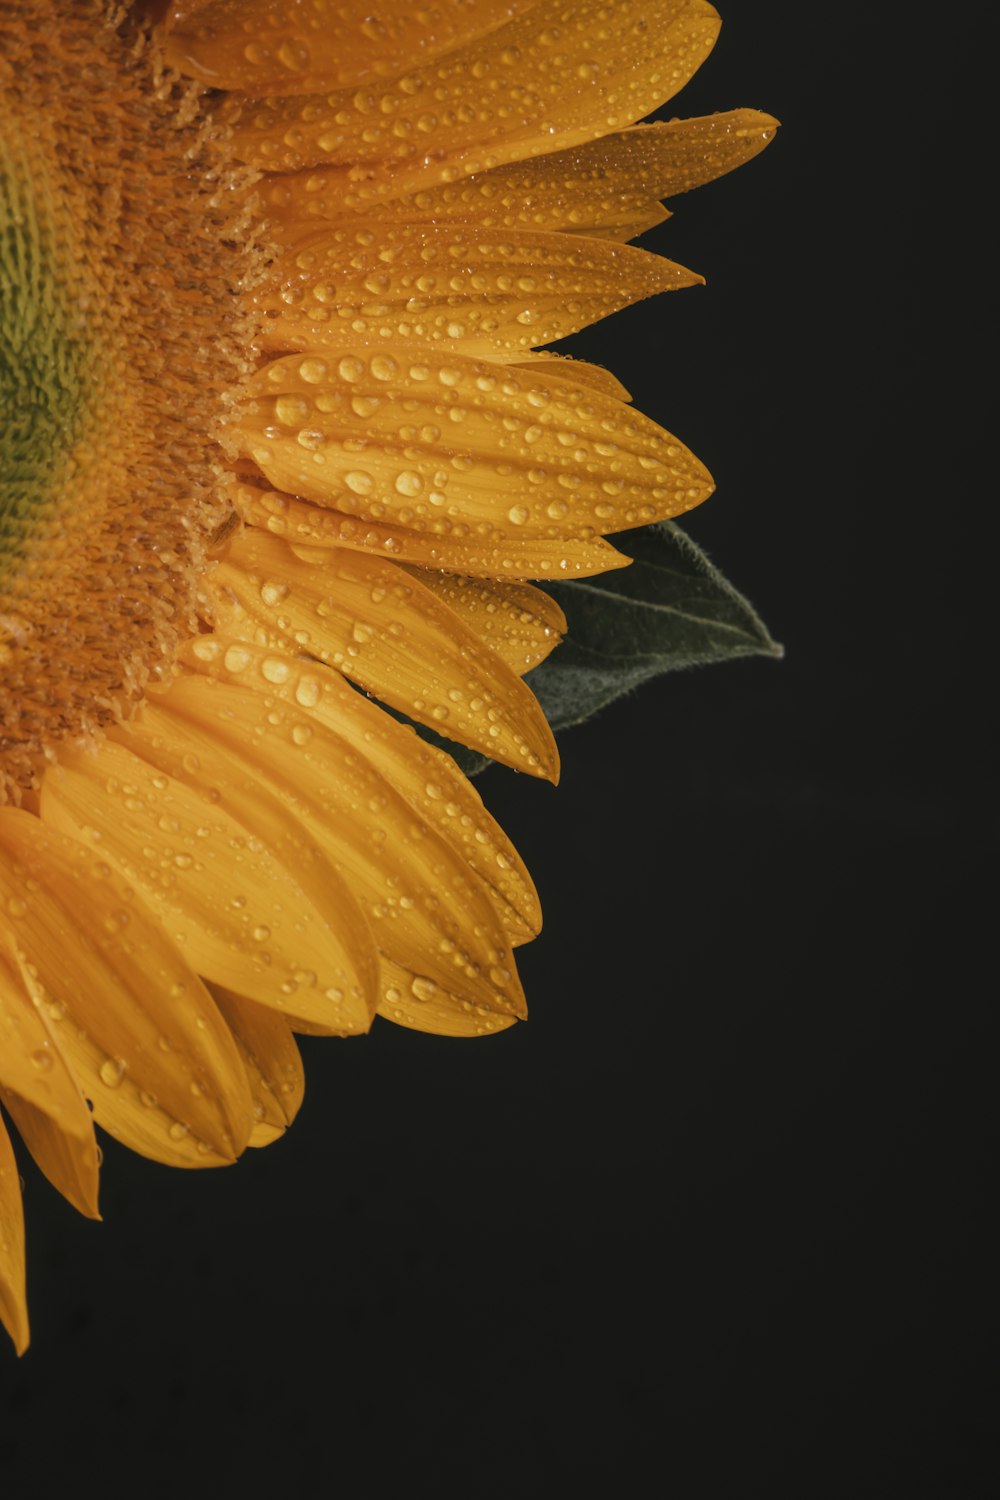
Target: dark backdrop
{"x":716,"y":1208}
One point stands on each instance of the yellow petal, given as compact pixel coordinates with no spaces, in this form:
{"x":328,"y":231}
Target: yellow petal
{"x":31,"y":1062}
{"x":425,"y":910}
{"x":187,"y":754}
{"x":432,"y":1008}
{"x":42,"y":1095}
{"x":128,"y":1110}
{"x":460,"y":287}
{"x":13,"y":1301}
{"x":576,"y":371}
{"x":554,"y":74}
{"x":277,"y":46}
{"x":237,"y":913}
{"x":428,"y":779}
{"x":124,"y":1108}
{"x":128,"y":1014}
{"x":271,"y":1058}
{"x":442,"y":444}
{"x":70,"y":1171}
{"x":520,"y":623}
{"x":389,"y":634}
{"x":602,"y":187}
{"x":298,"y":521}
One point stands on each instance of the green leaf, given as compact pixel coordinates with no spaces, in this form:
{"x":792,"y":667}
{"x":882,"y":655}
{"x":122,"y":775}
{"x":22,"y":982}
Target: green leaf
{"x":670,"y":609}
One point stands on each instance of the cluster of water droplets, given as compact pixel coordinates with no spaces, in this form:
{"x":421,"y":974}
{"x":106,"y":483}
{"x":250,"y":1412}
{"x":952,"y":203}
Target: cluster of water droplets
{"x":453,"y":285}
{"x":428,"y":780}
{"x":389,"y":633}
{"x":459,"y":447}
{"x":146,"y":1056}
{"x":423,"y":904}
{"x":551,"y":74}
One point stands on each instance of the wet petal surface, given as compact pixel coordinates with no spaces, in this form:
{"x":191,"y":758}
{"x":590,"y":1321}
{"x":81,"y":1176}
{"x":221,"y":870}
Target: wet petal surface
{"x":389,"y":634}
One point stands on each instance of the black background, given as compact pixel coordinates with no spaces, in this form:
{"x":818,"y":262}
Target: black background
{"x":709,"y":1224}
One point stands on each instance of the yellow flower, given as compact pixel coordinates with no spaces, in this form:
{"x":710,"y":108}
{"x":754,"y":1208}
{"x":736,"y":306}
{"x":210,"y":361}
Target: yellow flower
{"x":274,"y":276}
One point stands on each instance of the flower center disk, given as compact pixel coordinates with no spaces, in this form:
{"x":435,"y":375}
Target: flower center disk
{"x":119,"y":335}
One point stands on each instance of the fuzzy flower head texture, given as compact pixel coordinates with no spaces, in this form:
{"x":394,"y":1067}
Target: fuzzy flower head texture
{"x":281,"y":443}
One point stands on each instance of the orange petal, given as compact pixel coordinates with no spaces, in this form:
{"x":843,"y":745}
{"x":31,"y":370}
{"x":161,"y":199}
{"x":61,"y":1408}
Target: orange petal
{"x":186,"y":754}
{"x":122,"y":1105}
{"x":438,"y":443}
{"x":520,"y":623}
{"x":237,"y":913}
{"x":280,"y":47}
{"x":428,"y":779}
{"x":129,"y":1015}
{"x":13,"y":1299}
{"x":298,"y":521}
{"x":461,"y":287}
{"x":603,"y":187}
{"x":271,"y":1058}
{"x":429,"y":1007}
{"x":554,"y":74}
{"x":299,"y":201}
{"x":130,"y":1113}
{"x":43,"y":1097}
{"x":576,"y":371}
{"x":389,"y":634}
{"x":513,"y":198}
{"x":70,"y":1171}
{"x":674,"y":156}
{"x":425,"y":910}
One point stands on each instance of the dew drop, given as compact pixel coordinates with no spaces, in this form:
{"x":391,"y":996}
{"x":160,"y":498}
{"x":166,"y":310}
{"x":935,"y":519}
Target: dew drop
{"x":291,"y":410}
{"x":294,"y":56}
{"x":275,"y":670}
{"x":307,"y":692}
{"x":112,"y":1071}
{"x":272,"y":593}
{"x":313,"y":371}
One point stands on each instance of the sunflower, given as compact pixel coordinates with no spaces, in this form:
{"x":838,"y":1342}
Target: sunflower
{"x":277,"y":442}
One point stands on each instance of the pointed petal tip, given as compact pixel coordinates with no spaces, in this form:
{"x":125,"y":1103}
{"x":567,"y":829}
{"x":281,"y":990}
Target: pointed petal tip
{"x":546,"y":753}
{"x":759,"y":119}
{"x":556,"y":770}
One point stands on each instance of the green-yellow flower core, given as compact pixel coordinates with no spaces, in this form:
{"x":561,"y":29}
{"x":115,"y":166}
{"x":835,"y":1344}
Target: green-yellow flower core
{"x":118,"y":296}
{"x":46,"y":378}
